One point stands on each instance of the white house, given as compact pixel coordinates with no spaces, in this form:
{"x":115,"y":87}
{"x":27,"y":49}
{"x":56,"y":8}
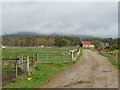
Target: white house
{"x":86,"y":44}
{"x":1,"y":46}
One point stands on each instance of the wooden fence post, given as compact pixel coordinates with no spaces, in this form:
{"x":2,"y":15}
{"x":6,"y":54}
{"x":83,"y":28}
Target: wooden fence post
{"x":116,"y":56}
{"x":78,"y":52}
{"x":28,"y":67}
{"x":21,"y":59}
{"x":16,"y":66}
{"x":72,"y":55}
{"x":9,"y":60}
{"x":36,"y":57}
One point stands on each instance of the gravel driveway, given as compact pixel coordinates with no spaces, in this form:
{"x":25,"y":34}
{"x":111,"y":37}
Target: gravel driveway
{"x":91,"y":71}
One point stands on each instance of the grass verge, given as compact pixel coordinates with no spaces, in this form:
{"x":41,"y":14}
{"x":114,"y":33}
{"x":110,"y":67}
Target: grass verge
{"x":112,"y":61}
{"x":41,"y":74}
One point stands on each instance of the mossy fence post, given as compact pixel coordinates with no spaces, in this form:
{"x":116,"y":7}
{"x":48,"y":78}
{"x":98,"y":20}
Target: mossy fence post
{"x":16,"y":67}
{"x":28,"y":67}
{"x":18,"y":64}
{"x":22,"y":62}
{"x":72,"y":56}
{"x":36,"y":57}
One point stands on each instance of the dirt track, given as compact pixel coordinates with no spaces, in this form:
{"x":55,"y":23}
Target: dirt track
{"x":92,"y":71}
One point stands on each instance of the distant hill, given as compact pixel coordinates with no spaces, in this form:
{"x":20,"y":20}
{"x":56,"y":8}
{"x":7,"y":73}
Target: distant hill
{"x":81,"y":36}
{"x":19,"y":34}
{"x":86,"y":36}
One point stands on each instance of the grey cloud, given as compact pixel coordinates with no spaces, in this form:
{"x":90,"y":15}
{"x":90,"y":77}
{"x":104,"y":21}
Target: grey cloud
{"x":97,"y":19}
{"x":0,"y":18}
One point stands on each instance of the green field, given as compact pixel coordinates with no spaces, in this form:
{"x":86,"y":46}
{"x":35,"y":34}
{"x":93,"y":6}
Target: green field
{"x":44,"y":54}
{"x":59,"y":59}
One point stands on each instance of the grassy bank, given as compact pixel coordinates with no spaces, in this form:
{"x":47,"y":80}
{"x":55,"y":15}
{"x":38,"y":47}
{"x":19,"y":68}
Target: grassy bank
{"x":41,"y":73}
{"x":112,"y":60}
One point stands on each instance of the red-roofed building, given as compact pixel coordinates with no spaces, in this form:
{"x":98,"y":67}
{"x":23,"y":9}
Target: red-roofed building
{"x":86,"y":44}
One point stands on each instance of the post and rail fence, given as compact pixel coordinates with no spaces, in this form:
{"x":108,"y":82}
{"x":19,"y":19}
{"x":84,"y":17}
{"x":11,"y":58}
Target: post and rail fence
{"x":13,"y":67}
{"x":16,"y":66}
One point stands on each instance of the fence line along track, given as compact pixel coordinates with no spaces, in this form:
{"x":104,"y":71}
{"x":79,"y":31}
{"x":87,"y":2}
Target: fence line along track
{"x":19,"y":63}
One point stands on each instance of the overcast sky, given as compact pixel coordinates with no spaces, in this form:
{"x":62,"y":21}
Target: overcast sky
{"x":89,"y":18}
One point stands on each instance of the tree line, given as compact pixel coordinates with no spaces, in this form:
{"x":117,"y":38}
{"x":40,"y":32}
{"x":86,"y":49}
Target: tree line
{"x":58,"y":40}
{"x":41,"y":40}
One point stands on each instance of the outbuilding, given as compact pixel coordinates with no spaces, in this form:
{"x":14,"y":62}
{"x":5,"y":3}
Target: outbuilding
{"x":1,"y":46}
{"x":86,"y":44}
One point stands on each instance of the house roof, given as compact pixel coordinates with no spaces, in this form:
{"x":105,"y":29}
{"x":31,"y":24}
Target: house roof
{"x":86,"y":43}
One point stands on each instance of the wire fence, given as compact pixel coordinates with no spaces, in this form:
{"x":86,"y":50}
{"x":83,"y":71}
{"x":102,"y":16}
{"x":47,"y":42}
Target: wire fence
{"x":18,"y":61}
{"x":54,"y":56}
{"x":112,"y":54}
{"x":13,"y":67}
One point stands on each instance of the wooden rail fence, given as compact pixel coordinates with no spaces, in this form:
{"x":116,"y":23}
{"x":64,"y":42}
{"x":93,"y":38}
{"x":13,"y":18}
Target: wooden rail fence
{"x":21,"y":64}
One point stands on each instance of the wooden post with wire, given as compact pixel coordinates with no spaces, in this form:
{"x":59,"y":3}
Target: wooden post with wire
{"x":36,"y":57}
{"x":16,"y":67}
{"x":21,"y":59}
{"x":28,"y":67}
{"x":72,"y":55}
